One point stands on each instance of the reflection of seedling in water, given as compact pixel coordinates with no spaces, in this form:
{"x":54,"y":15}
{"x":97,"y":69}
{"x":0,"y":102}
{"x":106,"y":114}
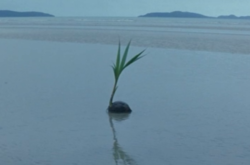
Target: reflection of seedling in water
{"x":118,"y":67}
{"x":119,"y":155}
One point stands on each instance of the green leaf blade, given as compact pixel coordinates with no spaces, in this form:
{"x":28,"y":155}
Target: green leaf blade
{"x":114,"y":70}
{"x":135,"y":58}
{"x":117,"y":66}
{"x":124,"y":57}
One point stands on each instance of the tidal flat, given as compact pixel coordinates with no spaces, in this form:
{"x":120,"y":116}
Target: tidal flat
{"x":189,"y":106}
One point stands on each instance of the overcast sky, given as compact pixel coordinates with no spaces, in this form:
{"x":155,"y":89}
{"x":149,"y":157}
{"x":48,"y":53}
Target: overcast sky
{"x":128,"y":7}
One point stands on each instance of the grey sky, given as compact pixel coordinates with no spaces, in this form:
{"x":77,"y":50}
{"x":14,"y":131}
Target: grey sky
{"x":128,"y":7}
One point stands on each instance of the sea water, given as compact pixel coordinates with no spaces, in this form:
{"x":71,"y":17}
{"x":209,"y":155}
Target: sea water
{"x":189,"y":94}
{"x":193,"y":34}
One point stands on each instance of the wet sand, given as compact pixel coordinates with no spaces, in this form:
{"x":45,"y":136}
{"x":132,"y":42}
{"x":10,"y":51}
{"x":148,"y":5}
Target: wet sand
{"x":189,"y":107}
{"x":201,"y":35}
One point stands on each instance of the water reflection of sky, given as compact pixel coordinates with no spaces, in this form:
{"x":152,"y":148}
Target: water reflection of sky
{"x":189,"y":107}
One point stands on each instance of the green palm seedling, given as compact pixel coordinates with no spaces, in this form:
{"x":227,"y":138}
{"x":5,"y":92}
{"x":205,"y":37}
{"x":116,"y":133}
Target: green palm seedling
{"x":120,"y":65}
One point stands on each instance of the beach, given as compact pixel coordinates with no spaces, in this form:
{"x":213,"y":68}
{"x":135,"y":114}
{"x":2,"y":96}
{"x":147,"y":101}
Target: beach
{"x":230,"y":36}
{"x":189,"y":94}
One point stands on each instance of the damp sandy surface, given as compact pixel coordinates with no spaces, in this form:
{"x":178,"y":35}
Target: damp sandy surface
{"x":189,"y":107}
{"x":214,"y":35}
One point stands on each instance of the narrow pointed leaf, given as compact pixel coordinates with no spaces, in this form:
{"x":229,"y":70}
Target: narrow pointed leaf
{"x":125,"y":54}
{"x":114,"y":70}
{"x":135,"y":58}
{"x":117,"y":66}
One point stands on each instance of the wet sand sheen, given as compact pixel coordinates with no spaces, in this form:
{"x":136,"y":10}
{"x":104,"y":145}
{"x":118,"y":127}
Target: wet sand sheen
{"x":189,"y":107}
{"x":229,"y":36}
{"x":198,"y":41}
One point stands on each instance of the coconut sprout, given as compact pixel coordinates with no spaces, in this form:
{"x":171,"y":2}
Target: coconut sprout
{"x":120,"y":64}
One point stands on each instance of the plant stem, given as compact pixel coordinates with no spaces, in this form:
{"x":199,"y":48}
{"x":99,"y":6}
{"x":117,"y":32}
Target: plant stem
{"x":113,"y":93}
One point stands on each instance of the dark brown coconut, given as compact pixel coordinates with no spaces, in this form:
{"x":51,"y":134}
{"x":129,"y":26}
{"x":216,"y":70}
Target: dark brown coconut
{"x":119,"y":107}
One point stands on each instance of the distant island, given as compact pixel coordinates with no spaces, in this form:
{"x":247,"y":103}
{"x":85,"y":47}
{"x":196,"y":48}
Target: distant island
{"x":8,"y":13}
{"x":180,"y":14}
